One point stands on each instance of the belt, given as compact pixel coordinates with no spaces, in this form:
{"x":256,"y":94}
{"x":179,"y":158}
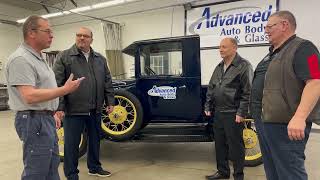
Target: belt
{"x":38,"y":112}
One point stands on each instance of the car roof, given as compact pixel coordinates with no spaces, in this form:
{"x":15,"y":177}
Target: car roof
{"x":130,"y":50}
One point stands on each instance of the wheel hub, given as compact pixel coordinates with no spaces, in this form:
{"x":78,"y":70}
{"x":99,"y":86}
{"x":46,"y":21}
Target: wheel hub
{"x":249,"y":138}
{"x":118,"y":115}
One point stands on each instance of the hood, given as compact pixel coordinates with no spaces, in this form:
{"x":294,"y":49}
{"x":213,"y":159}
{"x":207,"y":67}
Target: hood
{"x":123,"y":83}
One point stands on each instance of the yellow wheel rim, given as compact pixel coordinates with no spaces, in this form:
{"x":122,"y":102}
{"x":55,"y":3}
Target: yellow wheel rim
{"x":250,"y":138}
{"x":251,"y":143}
{"x":122,"y":119}
{"x":60,"y":133}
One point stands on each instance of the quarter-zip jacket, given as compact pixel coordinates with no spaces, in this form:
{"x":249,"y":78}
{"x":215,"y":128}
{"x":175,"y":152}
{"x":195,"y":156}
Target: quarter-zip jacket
{"x":229,"y":90}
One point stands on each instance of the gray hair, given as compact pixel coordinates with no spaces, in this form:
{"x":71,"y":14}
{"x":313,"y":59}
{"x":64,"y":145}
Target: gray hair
{"x":30,"y":24}
{"x":287,"y":15}
{"x":234,"y":41}
{"x":88,"y":30}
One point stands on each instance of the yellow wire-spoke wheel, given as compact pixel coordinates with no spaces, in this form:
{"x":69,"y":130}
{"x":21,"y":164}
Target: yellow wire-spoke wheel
{"x":251,"y":144}
{"x":250,"y":138}
{"x":82,"y":144}
{"x":122,"y":119}
{"x":60,"y":134}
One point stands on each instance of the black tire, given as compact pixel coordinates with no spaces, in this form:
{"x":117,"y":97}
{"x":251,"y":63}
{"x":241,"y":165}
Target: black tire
{"x":253,"y":156}
{"x":125,"y":120}
{"x":82,"y":145}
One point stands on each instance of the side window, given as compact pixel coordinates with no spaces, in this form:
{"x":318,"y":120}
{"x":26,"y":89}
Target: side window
{"x":161,"y":59}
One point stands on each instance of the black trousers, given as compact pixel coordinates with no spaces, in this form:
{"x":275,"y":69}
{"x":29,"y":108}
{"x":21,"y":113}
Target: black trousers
{"x":229,"y":143}
{"x":73,"y":127}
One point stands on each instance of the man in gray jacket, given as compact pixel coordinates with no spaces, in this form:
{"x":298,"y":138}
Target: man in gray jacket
{"x":228,"y":100}
{"x":84,"y":106}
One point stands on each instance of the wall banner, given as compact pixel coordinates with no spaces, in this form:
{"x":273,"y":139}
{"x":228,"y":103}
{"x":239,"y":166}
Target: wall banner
{"x":243,"y":20}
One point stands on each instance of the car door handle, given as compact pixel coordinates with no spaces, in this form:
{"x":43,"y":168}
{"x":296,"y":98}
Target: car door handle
{"x":183,"y":86}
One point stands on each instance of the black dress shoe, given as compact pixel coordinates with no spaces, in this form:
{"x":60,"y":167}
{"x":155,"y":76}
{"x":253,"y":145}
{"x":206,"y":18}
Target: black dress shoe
{"x":217,"y":175}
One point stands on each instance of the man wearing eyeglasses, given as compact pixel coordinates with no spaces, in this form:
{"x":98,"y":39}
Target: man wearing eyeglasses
{"x":83,"y":107}
{"x":34,"y":96}
{"x":284,"y":98}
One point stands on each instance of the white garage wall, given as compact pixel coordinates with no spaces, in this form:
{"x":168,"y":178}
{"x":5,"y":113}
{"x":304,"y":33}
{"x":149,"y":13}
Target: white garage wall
{"x":154,"y":24}
{"x":307,"y":16}
{"x":150,"y":25}
{"x":64,"y":36}
{"x":165,"y":22}
{"x":10,"y":39}
{"x":10,"y":36}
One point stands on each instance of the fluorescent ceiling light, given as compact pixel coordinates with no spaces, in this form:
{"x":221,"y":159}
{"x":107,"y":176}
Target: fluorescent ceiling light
{"x":83,"y":9}
{"x":52,"y":15}
{"x":107,"y":4}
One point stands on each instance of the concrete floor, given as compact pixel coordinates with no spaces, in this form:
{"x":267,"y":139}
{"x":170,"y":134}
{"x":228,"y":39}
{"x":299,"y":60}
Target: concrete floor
{"x":143,"y":161}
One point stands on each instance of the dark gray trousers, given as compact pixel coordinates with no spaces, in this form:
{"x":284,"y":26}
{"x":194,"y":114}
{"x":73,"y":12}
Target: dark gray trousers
{"x":229,"y":144}
{"x":40,"y":146}
{"x":73,"y":127}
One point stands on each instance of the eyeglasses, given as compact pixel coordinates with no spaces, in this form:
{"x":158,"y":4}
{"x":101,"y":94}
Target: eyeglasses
{"x":271,"y":25}
{"x":48,"y":31}
{"x":83,"y":35}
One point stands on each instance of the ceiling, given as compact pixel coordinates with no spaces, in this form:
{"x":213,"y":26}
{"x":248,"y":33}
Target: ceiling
{"x":12,"y":10}
{"x":32,"y":5}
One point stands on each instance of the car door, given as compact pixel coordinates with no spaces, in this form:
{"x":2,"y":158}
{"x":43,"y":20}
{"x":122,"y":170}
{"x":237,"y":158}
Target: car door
{"x":168,"y":90}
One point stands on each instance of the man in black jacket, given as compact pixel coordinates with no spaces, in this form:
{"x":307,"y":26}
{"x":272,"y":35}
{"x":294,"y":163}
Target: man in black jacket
{"x":84,"y":106}
{"x":227,"y":99}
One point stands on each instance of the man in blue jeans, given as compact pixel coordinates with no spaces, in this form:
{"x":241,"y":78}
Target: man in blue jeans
{"x":84,"y":106}
{"x":33,"y":95}
{"x":286,"y":89}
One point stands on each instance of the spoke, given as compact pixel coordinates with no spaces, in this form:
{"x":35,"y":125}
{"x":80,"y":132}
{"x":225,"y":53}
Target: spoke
{"x":131,"y":112}
{"x":108,"y":124}
{"x":123,"y":127}
{"x":128,"y":105}
{"x":120,"y":101}
{"x":115,"y":128}
{"x":104,"y":118}
{"x":130,"y":121}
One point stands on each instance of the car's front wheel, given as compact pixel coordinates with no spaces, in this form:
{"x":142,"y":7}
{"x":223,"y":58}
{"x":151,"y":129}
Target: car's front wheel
{"x":82,"y":144}
{"x":126,"y":118}
{"x":253,"y":156}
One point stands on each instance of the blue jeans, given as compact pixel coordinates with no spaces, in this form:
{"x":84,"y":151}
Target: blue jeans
{"x":283,"y":158}
{"x":73,"y":126}
{"x":40,"y":146}
{"x":265,"y":150}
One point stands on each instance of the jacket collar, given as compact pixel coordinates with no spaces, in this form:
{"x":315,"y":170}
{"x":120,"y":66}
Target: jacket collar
{"x":75,"y":51}
{"x":235,"y":61}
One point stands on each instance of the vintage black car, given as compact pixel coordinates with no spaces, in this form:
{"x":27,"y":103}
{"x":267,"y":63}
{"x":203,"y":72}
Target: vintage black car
{"x":164,"y":102}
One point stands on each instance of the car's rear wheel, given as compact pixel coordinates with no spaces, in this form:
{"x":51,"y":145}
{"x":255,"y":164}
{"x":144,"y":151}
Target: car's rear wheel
{"x":126,"y":118}
{"x":82,"y":144}
{"x":253,"y":156}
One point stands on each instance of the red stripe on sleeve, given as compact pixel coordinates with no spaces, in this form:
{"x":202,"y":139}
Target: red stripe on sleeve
{"x":313,"y":63}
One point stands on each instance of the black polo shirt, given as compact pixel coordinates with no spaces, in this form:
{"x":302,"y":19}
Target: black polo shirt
{"x":306,"y":65}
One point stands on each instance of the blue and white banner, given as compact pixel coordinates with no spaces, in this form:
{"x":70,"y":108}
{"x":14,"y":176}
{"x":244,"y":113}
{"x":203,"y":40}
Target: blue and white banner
{"x":243,"y":20}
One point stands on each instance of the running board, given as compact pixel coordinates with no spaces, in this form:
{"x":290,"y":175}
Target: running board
{"x":174,"y":133}
{"x":171,"y":138}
